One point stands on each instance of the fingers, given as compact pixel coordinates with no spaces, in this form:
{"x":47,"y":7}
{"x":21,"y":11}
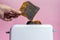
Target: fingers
{"x":14,"y":14}
{"x":8,"y":16}
{"x":5,"y":19}
{"x":7,"y":13}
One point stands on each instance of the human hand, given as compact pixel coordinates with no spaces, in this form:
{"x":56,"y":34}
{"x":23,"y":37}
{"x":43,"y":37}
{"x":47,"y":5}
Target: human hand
{"x":7,"y":13}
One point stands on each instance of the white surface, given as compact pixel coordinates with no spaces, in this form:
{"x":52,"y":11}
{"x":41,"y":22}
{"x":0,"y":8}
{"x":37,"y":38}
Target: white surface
{"x":32,"y":32}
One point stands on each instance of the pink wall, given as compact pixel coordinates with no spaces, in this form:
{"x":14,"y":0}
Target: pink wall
{"x":48,"y":14}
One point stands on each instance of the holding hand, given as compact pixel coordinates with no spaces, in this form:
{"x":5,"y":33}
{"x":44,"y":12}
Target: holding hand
{"x":7,"y":13}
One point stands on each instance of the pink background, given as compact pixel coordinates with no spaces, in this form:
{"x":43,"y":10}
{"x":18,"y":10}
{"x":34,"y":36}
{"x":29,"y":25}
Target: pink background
{"x":49,"y":13}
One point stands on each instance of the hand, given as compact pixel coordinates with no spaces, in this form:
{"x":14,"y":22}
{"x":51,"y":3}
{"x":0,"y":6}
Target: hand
{"x":7,"y":13}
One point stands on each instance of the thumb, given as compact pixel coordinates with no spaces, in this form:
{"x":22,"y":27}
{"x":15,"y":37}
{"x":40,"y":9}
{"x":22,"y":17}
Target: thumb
{"x":16,"y":11}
